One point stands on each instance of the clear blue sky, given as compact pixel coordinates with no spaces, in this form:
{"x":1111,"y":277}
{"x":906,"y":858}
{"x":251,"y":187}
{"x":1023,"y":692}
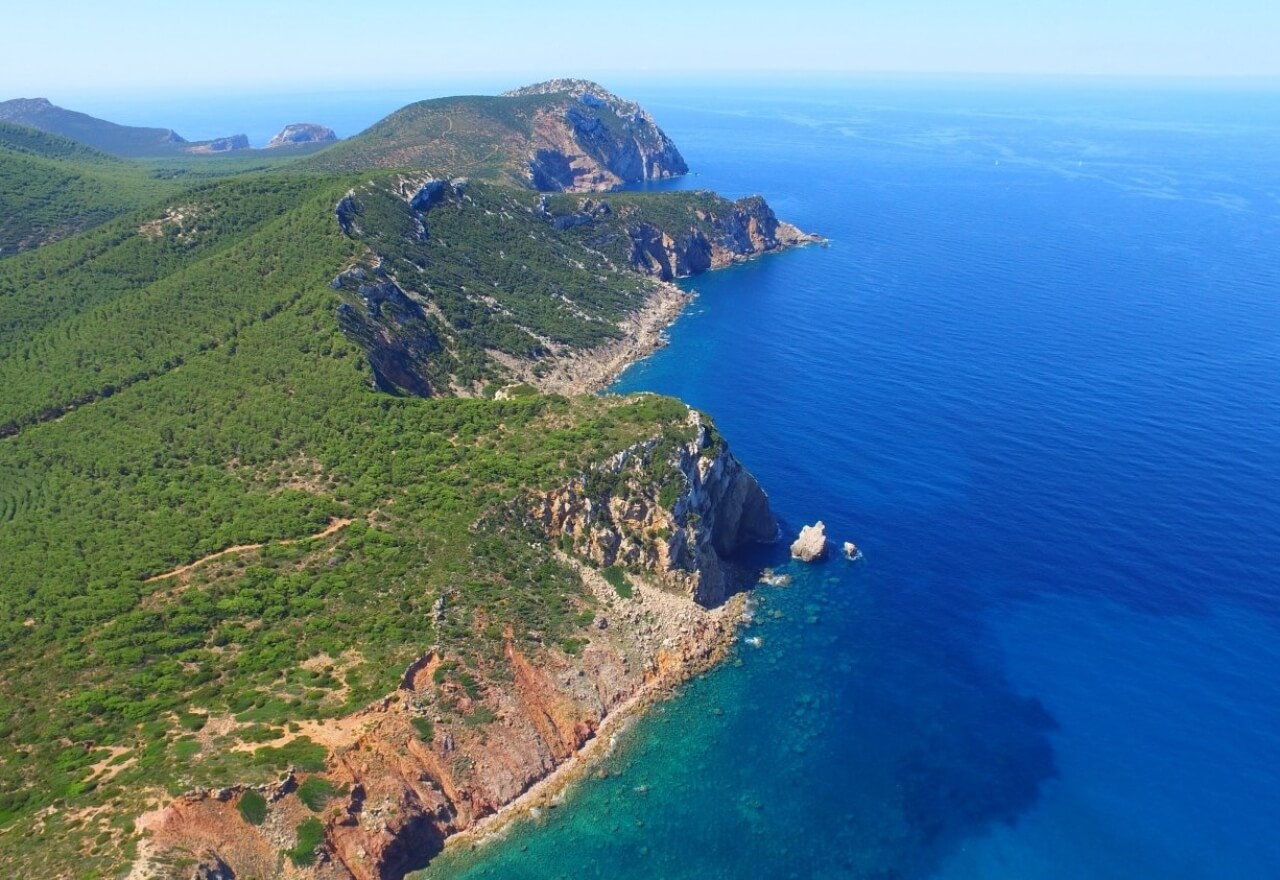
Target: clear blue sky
{"x":57,"y":46}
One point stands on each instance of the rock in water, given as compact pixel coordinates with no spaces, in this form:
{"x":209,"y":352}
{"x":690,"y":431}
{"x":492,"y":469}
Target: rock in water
{"x":812,"y":543}
{"x":851,"y":551}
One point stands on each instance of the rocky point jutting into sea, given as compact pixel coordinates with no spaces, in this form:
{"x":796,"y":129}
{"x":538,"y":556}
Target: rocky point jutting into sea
{"x":652,"y":530}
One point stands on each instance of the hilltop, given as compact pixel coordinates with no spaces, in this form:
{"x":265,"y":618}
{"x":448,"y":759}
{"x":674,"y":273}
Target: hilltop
{"x":561,"y":135}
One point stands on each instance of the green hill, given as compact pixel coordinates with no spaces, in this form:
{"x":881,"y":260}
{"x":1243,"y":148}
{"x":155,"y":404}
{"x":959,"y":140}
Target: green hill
{"x":562,"y":135}
{"x":51,"y":187}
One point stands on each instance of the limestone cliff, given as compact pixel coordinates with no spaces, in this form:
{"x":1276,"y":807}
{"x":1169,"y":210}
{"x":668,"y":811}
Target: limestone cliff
{"x":684,"y":528}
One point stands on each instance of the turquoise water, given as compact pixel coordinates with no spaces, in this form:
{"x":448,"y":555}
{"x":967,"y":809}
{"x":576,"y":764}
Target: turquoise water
{"x":1036,"y":377}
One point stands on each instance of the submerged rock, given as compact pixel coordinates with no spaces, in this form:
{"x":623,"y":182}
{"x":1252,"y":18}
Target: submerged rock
{"x":812,"y":543}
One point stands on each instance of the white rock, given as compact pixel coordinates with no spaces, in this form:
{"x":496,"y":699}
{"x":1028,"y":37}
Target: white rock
{"x":812,"y":543}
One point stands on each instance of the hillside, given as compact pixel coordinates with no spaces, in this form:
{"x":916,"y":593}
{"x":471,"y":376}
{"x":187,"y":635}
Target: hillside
{"x":109,"y":137}
{"x":51,"y":187}
{"x":304,"y":563}
{"x":562,"y":135}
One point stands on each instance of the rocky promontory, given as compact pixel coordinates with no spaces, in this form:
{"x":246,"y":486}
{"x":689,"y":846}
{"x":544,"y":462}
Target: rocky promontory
{"x":302,"y":133}
{"x":563,"y":135}
{"x":651,"y":531}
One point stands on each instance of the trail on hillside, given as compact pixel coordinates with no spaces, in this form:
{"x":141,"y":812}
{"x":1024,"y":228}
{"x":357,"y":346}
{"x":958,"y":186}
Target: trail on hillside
{"x":335,"y":525}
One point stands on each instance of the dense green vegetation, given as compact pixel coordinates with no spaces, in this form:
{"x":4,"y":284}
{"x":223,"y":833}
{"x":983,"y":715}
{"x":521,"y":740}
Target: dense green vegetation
{"x":214,"y":523}
{"x":51,"y":187}
{"x":310,"y":832}
{"x":177,"y":383}
{"x":253,"y":807}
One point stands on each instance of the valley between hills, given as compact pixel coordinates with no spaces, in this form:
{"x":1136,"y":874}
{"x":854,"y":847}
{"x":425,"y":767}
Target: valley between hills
{"x":318,"y":545}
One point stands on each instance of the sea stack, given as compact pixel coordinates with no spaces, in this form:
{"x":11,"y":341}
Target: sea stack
{"x":812,"y":543}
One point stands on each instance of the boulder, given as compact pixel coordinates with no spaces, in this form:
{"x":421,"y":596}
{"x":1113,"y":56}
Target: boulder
{"x":812,"y":543}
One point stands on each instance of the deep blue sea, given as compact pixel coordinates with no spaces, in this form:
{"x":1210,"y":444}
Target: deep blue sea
{"x":1036,"y":377}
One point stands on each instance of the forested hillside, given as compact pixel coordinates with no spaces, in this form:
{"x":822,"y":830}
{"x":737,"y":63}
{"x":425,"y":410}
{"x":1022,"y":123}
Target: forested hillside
{"x":252,"y":467}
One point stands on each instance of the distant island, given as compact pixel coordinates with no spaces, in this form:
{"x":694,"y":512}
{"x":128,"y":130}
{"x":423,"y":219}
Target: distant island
{"x":316,"y":548}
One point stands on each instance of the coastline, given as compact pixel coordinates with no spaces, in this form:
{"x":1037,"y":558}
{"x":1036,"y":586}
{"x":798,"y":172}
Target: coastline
{"x":547,"y":792}
{"x":590,"y":373}
{"x":594,"y":370}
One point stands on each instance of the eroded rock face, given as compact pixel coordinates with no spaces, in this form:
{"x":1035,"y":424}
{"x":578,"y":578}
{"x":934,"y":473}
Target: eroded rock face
{"x":750,"y":228}
{"x":302,"y":133}
{"x":595,"y":141}
{"x":812,"y":543}
{"x":684,"y":527}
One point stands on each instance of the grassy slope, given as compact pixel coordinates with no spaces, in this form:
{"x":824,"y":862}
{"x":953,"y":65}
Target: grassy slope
{"x":239,"y":413}
{"x":482,"y":137}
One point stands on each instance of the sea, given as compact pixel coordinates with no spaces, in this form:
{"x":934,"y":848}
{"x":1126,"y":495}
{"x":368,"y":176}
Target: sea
{"x":1035,"y":376}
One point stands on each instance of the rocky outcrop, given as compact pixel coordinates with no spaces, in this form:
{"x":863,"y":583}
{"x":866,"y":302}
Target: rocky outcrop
{"x":302,"y":133}
{"x":812,"y":543}
{"x":221,"y":145}
{"x":680,"y":513}
{"x":717,"y":239}
{"x":394,"y":330}
{"x":592,"y":140}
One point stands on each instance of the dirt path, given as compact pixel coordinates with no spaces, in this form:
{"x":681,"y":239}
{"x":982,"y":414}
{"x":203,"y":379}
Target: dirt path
{"x":335,"y":525}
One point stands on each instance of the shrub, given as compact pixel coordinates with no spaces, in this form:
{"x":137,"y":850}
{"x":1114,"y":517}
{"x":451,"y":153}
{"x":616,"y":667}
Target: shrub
{"x":315,"y":792}
{"x":252,"y":807}
{"x":617,"y":578}
{"x":310,"y":835}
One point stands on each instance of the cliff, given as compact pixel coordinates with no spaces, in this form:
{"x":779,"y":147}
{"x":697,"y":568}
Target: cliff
{"x":711,"y":233}
{"x":467,"y":285}
{"x":595,"y":140}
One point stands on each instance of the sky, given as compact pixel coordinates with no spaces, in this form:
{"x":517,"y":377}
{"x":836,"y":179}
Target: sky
{"x":141,"y":46}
